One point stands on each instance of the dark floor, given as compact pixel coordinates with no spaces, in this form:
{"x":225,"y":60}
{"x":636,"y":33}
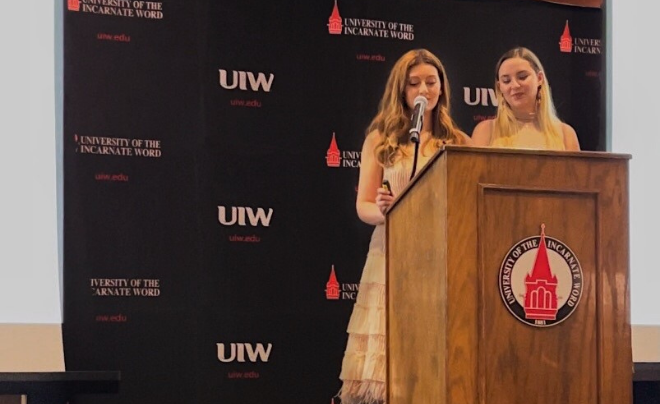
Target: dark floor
{"x":646,"y":392}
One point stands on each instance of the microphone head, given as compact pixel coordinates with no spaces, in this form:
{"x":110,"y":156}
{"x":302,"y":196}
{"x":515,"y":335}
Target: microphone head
{"x":421,"y":100}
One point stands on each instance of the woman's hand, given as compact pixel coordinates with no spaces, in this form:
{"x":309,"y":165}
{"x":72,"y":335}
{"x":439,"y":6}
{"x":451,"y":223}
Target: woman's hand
{"x":384,"y":200}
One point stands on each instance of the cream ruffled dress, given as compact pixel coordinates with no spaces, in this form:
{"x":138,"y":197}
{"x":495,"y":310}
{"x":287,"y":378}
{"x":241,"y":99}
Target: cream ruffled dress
{"x":363,"y":366}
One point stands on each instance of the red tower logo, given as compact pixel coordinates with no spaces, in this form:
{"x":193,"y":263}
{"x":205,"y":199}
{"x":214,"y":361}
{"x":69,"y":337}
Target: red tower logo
{"x":73,"y":5}
{"x":541,"y":280}
{"x":332,"y":157}
{"x":541,"y":295}
{"x":332,"y":286}
{"x":566,"y":40}
{"x":334,"y":22}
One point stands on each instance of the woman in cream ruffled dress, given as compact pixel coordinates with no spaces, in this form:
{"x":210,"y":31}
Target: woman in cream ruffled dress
{"x":387,"y":155}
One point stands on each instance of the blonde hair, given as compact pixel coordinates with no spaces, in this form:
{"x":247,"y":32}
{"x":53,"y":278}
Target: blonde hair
{"x":505,"y":125}
{"x":393,"y":118}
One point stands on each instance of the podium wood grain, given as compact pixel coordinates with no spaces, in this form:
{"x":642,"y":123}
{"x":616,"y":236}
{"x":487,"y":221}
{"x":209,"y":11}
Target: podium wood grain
{"x":451,"y":339}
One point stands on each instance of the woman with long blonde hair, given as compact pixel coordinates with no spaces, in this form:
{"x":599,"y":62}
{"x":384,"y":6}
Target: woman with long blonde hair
{"x":526,"y":115}
{"x":387,"y":154}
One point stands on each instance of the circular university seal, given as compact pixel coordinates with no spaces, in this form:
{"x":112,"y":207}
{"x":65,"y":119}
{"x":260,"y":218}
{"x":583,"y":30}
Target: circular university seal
{"x":541,"y":281}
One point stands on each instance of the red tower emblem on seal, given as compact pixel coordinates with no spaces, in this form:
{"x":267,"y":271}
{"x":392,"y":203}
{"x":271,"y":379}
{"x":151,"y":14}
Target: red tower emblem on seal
{"x":541,"y":280}
{"x":541,"y":295}
{"x":566,"y":40}
{"x":334,"y":22}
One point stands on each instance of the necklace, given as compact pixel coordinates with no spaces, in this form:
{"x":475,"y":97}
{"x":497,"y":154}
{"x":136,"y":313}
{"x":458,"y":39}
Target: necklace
{"x":525,"y":120}
{"x":526,"y":117}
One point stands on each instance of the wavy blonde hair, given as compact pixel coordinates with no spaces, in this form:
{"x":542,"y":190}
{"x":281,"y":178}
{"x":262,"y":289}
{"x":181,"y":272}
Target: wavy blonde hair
{"x":393,"y":118}
{"x":506,"y":126}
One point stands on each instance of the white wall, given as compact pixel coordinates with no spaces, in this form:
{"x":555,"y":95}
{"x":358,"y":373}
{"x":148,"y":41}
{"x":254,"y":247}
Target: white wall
{"x":29,"y":262}
{"x":634,"y":98}
{"x":635,"y":106}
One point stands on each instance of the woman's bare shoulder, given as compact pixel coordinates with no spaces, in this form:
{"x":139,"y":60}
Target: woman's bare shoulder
{"x":571,"y":141}
{"x":482,"y":133}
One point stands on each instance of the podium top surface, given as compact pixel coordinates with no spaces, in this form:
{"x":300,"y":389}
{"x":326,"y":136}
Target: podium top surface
{"x":452,"y":149}
{"x":498,"y":150}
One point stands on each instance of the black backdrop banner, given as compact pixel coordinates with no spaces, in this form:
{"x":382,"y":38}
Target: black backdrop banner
{"x":212,"y":252}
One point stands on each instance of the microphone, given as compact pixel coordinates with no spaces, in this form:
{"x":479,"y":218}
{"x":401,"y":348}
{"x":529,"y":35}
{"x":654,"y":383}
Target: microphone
{"x":417,"y":118}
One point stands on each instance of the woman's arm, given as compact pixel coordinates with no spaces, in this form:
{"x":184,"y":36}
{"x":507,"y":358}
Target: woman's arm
{"x":372,"y":200}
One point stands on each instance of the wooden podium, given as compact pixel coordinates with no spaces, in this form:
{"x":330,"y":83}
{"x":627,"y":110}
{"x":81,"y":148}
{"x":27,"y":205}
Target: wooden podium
{"x":457,"y":237}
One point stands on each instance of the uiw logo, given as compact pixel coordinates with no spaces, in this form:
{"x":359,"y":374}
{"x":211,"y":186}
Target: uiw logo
{"x":239,"y":214}
{"x":239,"y":350}
{"x":240,"y":80}
{"x":482,"y":96}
